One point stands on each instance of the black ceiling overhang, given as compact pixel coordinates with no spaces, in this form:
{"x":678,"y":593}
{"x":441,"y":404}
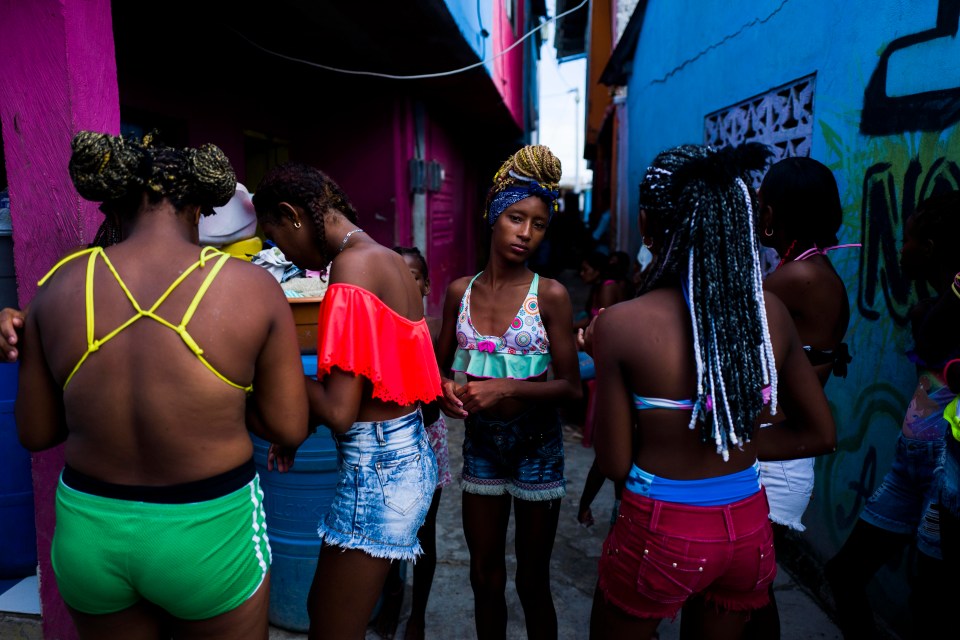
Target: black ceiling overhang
{"x":571,"y":32}
{"x":618,"y":68}
{"x":205,"y":47}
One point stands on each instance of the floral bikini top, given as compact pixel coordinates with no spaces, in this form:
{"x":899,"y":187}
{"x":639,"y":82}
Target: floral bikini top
{"x":522,"y":352}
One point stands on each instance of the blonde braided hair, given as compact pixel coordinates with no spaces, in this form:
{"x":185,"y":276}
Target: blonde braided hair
{"x":531,"y":165}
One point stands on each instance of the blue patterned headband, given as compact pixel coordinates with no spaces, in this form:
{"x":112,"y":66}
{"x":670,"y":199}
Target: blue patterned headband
{"x":514,"y":194}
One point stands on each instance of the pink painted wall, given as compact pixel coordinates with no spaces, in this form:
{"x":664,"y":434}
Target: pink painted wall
{"x":57,"y":76}
{"x":358,"y":150}
{"x":508,"y":68}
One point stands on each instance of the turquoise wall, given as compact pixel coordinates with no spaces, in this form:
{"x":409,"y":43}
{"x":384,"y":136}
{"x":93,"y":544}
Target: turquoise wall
{"x":695,"y":57}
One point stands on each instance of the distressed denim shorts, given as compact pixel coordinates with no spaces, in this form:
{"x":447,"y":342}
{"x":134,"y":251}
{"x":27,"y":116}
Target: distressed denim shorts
{"x":905,"y":501}
{"x":789,"y":485}
{"x":948,"y":477}
{"x":659,"y":554}
{"x":522,"y":456}
{"x":386,"y":481}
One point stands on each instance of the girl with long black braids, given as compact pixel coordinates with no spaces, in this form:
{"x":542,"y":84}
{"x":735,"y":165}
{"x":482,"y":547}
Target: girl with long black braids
{"x":678,"y":401}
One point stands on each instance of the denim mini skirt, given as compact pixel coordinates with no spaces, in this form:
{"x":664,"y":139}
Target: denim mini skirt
{"x":386,"y":481}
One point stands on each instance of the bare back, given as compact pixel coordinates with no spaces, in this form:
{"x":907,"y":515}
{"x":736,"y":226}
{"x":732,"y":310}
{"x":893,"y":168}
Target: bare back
{"x":817,"y":299}
{"x":384,"y":273}
{"x":143,"y":409}
{"x":645,"y":347}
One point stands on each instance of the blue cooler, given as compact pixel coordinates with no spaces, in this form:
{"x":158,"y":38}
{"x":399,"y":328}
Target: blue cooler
{"x":295,"y":502}
{"x":18,"y":535}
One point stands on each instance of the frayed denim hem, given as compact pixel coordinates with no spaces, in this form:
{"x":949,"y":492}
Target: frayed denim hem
{"x":483,"y":489}
{"x":370,"y":547}
{"x":796,"y":526}
{"x":537,"y":495}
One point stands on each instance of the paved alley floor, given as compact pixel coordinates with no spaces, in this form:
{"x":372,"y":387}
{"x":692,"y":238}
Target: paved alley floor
{"x":574,"y":569}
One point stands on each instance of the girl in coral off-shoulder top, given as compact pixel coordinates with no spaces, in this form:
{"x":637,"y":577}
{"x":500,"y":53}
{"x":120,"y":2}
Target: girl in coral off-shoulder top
{"x":513,"y":446}
{"x":375,"y":366}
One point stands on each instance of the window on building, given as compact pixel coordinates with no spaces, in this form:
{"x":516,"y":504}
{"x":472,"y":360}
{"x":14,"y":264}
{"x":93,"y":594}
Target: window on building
{"x":781,"y":118}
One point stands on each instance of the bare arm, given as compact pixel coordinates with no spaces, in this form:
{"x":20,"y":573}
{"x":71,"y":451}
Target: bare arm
{"x":40,"y":415}
{"x":277,"y":411}
{"x":809,"y":429}
{"x":446,"y":346}
{"x":613,"y":427}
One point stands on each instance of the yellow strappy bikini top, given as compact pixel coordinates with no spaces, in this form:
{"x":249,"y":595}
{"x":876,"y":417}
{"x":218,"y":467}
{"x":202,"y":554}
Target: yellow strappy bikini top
{"x":94,"y":344}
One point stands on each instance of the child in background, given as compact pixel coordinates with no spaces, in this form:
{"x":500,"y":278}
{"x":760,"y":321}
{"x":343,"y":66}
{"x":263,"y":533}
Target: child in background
{"x":385,"y":623}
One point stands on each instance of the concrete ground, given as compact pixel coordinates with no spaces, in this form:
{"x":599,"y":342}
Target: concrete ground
{"x":574,"y":569}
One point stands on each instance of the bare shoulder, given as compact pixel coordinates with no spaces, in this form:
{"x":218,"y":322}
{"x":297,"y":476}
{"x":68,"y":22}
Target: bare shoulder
{"x":552,"y":292}
{"x":251,"y":274}
{"x":459,"y":286}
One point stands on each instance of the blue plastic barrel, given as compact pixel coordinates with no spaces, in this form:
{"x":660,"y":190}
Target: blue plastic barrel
{"x":295,"y":502}
{"x":18,"y":535}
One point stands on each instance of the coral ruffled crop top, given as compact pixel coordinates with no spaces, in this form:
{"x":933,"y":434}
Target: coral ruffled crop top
{"x":358,"y":333}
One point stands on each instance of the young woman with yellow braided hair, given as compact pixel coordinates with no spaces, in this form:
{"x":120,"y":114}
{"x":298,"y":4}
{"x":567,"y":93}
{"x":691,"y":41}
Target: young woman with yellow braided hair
{"x":502,"y":329}
{"x":146,"y":359}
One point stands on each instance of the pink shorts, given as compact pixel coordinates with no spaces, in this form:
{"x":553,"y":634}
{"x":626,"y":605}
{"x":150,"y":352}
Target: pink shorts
{"x":659,"y":554}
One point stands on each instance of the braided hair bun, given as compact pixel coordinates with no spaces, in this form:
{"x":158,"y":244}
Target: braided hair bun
{"x":108,"y":168}
{"x":105,"y":167}
{"x":533,"y":167}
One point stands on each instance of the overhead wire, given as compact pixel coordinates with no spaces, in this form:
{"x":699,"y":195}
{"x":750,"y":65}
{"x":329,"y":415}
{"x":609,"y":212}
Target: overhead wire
{"x":419,"y":76}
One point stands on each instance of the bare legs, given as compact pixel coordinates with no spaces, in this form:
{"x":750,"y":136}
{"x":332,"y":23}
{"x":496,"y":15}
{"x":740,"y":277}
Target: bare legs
{"x":146,"y":621}
{"x":423,"y":571}
{"x":485,"y":520}
{"x":345,"y":590}
{"x":700,"y":620}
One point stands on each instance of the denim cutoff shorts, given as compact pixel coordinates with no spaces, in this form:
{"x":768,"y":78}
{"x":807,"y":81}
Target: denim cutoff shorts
{"x":386,"y":481}
{"x":659,"y":554}
{"x":905,"y":502}
{"x":522,"y":456}
{"x":948,"y":477}
{"x":789,"y":485}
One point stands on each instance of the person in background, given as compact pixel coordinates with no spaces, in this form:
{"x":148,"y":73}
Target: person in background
{"x":800,"y":215}
{"x":619,"y":270}
{"x":605,"y":290}
{"x":903,"y":509}
{"x":679,"y":403}
{"x":375,"y":367}
{"x":502,"y":329}
{"x":385,"y":623}
{"x":127,"y":360}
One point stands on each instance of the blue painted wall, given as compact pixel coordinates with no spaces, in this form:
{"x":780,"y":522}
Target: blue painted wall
{"x":695,"y":57}
{"x":472,"y":16}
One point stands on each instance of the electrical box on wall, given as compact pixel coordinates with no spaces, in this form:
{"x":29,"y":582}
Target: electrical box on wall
{"x":425,"y":176}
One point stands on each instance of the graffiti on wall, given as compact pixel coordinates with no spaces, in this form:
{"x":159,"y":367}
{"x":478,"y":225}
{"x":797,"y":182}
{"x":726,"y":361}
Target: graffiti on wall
{"x":888,"y":199}
{"x":884,"y":179}
{"x":932,"y":105}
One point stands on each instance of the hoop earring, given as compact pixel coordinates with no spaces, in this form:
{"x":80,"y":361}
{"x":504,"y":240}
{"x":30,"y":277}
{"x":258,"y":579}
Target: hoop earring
{"x":768,"y":232}
{"x":648,"y":243}
{"x":297,"y":225}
